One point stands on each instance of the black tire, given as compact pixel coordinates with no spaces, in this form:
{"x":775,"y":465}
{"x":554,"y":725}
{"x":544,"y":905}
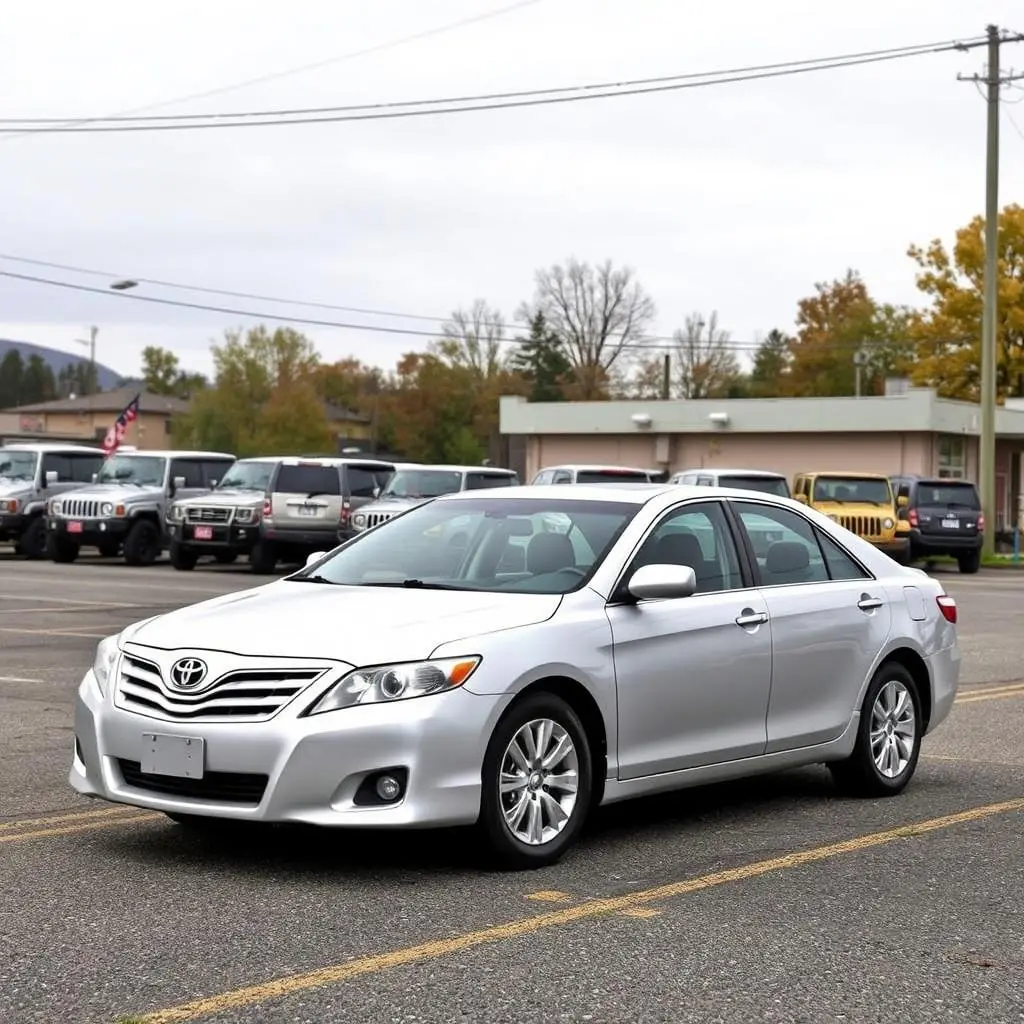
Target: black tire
{"x":33,"y":540}
{"x":506,"y":850}
{"x":183,"y":559}
{"x":110,"y":549}
{"x":969,"y":563}
{"x":858,"y":775}
{"x":61,"y":550}
{"x":142,"y":545}
{"x":263,"y":558}
{"x":226,"y":557}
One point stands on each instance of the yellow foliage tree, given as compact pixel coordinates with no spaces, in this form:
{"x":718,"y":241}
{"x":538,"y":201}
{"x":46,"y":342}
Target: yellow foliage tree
{"x":947,"y":336}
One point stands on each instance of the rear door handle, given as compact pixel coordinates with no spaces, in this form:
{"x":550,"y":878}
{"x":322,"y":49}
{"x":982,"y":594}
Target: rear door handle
{"x":868,"y":604}
{"x":751,"y":618}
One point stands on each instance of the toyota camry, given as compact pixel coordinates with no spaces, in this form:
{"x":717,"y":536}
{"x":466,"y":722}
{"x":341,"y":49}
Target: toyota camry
{"x":513,"y":659}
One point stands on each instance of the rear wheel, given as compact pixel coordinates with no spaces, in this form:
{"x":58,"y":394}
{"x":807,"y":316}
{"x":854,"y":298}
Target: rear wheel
{"x":142,"y":545}
{"x":182,"y":558}
{"x":888,"y":737}
{"x":263,"y":558}
{"x":970,"y":563}
{"x":61,"y":550}
{"x":537,"y":783}
{"x":33,"y":540}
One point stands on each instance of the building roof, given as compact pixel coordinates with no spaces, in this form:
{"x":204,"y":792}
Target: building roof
{"x":916,"y":410}
{"x":108,"y":401}
{"x":342,"y":414}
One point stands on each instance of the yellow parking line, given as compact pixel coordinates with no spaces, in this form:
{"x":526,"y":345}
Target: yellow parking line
{"x":993,"y":694}
{"x":598,"y":908}
{"x":69,"y":830}
{"x":104,"y":812}
{"x":970,"y":691}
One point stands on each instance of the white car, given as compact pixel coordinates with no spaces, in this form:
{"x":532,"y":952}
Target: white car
{"x":514,"y":658}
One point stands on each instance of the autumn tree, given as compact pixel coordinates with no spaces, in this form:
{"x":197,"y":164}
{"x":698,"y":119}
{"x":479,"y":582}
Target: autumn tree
{"x":597,"y":313}
{"x":705,"y":365}
{"x":771,"y":365}
{"x":474,"y":339}
{"x":947,"y":336}
{"x":541,"y":361}
{"x":264,"y":399}
{"x":162,"y":374}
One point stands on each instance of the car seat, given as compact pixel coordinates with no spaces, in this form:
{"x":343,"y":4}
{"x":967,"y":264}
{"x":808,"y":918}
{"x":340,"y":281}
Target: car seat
{"x":549,"y":552}
{"x":788,"y":561}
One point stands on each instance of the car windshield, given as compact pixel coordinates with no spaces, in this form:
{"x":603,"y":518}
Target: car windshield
{"x":18,"y":465}
{"x":611,"y":476}
{"x":423,"y":483}
{"x":962,"y":495}
{"x":140,"y":470}
{"x":765,"y":484}
{"x":852,"y":490}
{"x":515,"y":545}
{"x":247,"y":476}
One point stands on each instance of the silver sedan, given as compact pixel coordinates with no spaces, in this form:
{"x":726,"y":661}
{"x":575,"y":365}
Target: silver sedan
{"x":513,"y":659}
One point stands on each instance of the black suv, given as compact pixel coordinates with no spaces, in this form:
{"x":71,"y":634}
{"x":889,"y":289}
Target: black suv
{"x":945,"y":519}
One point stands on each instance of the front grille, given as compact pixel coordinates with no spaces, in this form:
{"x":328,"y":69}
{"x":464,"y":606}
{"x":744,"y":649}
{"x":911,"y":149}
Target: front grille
{"x":80,"y":508}
{"x":247,"y":694}
{"x":863,"y":526}
{"x":217,"y":787}
{"x":208,"y":515}
{"x":376,"y":518}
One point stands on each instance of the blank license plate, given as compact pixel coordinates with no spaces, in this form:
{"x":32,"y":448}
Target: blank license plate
{"x":203,"y":533}
{"x":180,"y":756}
{"x":308,"y":510}
{"x":951,"y":524}
{"x":74,"y":527}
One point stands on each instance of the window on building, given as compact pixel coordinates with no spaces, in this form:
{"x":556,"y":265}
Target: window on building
{"x":952,"y":457}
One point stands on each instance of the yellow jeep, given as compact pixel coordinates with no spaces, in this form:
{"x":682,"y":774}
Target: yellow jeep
{"x":862,"y":502}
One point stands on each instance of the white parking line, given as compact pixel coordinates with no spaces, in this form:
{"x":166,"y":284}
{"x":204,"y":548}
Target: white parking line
{"x":62,"y":600}
{"x":18,"y":679}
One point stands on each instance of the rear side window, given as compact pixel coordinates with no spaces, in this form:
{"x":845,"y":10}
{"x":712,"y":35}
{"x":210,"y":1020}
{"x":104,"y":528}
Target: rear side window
{"x":308,"y":480}
{"x":610,"y":476}
{"x":362,"y":483}
{"x":764,"y":484}
{"x":945,"y":495}
{"x":481,"y":481}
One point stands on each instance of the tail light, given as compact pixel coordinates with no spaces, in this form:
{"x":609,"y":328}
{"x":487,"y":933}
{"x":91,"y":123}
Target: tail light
{"x":947,"y":605}
{"x":266,"y":509}
{"x":981,"y":521}
{"x":912,"y":517}
{"x":346,"y":513}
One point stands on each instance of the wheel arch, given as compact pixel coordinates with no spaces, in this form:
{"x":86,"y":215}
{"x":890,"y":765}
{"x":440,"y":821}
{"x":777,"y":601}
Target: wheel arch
{"x":912,"y":661}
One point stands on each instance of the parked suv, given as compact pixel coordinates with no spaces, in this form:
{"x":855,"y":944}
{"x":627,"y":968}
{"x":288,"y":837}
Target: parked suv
{"x":30,"y":474}
{"x":863,"y":503}
{"x":743,"y":479}
{"x":311,"y":505}
{"x":125,"y":508}
{"x":224,"y":523}
{"x":944,"y":517}
{"x":413,"y":484}
{"x":595,"y":475}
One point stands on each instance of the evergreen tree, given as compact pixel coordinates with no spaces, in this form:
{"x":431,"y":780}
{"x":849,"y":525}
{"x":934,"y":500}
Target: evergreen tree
{"x":541,"y":360}
{"x":38,"y":384}
{"x":12,"y":379}
{"x":771,"y":365}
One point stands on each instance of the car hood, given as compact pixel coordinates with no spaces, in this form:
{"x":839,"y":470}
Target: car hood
{"x":358,"y":625}
{"x":15,"y":488}
{"x":224,"y":499}
{"x":113,"y":492}
{"x":386,"y":504}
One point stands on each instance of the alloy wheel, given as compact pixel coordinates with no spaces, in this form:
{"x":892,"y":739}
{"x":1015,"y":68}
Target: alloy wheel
{"x":893,"y":729}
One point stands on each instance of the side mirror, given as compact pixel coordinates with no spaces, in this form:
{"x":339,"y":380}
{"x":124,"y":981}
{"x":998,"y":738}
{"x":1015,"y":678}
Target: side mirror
{"x":178,"y":483}
{"x":51,"y":477}
{"x":654,"y":582}
{"x":95,"y":477}
{"x":213,"y":483}
{"x":315,"y":557}
{"x":902,"y":501}
{"x":802,"y":498}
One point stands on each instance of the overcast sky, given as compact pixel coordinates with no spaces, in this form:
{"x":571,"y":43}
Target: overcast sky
{"x":735,"y":198}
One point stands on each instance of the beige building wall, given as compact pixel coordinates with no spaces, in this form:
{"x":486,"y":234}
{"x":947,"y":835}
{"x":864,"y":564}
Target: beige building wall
{"x":149,"y":431}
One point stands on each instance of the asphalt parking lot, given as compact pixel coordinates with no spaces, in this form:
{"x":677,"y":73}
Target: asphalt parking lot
{"x":771,"y":900}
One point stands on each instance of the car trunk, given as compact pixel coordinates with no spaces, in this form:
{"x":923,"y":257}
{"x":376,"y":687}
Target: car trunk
{"x":305,"y":496}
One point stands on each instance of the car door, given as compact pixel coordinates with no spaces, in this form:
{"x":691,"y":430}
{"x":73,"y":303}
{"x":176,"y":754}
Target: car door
{"x":693,"y":675}
{"x":61,"y":464}
{"x":829,"y":619}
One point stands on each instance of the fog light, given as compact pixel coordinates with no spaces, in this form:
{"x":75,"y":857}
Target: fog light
{"x":388,"y":788}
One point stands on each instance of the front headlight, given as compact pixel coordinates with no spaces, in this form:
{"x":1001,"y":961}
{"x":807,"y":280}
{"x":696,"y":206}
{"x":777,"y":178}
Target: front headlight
{"x":887,"y":523}
{"x":103,"y":663}
{"x":385,"y":683}
{"x":10,"y":505}
{"x":106,"y":509}
{"x":360,"y":520}
{"x":177,"y":513}
{"x":244,"y":515}
{"x":55,"y":508}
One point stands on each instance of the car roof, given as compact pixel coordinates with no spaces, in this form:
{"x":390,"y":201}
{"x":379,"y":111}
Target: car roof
{"x":600,"y":467}
{"x":174,"y":453}
{"x":733,"y":472}
{"x":329,"y":460}
{"x":846,"y":474}
{"x":493,"y":470}
{"x":51,"y":446}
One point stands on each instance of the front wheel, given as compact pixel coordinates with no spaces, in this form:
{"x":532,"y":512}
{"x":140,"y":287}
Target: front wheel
{"x":537,"y":783}
{"x":142,"y":545}
{"x":61,"y":550}
{"x":888,"y":737}
{"x":183,"y":559}
{"x":33,"y":541}
{"x":263,"y":558}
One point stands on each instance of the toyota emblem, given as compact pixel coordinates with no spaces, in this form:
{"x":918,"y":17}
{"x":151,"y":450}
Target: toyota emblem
{"x":188,"y":673}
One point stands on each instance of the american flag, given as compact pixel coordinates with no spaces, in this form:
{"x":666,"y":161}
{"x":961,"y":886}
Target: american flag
{"x":115,"y":435}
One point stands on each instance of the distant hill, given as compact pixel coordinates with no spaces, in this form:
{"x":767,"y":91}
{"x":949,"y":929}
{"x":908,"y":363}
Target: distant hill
{"x":106,"y":377}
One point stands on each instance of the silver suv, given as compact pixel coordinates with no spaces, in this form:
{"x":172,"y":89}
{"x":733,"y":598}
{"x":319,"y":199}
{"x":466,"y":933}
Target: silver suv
{"x":311,"y":504}
{"x":125,"y":509}
{"x":30,"y":475}
{"x":580,"y":474}
{"x":224,"y":523}
{"x":413,"y":484}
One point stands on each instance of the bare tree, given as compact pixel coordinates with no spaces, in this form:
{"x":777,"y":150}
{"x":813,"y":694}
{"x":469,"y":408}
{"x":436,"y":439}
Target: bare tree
{"x":705,"y":366}
{"x":598,"y":313}
{"x":473,"y":338}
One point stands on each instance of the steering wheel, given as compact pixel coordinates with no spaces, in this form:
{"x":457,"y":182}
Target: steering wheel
{"x":570,"y":568}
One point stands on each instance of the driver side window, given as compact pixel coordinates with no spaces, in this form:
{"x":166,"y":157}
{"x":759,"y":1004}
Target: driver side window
{"x":696,"y":535}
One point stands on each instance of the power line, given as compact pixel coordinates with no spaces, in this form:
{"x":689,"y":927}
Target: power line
{"x":677,"y":84}
{"x":650,"y":343}
{"x":809,"y":63}
{"x":288,"y":72}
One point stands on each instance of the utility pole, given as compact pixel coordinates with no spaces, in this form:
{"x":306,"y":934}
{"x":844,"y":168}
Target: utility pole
{"x":666,"y":379}
{"x":987,"y":441}
{"x":93,"y":331}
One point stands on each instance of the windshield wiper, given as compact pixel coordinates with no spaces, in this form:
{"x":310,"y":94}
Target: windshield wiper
{"x":315,"y":578}
{"x":412,"y":585}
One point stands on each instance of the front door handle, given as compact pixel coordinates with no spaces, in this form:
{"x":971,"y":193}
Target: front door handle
{"x":869,"y":604}
{"x":749,"y":617}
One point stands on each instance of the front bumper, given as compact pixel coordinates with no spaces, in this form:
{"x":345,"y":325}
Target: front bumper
{"x":88,"y":531}
{"x":12,"y":525}
{"x":941,"y":544}
{"x":323,"y":539}
{"x":313,"y":766}
{"x":222,"y":537}
{"x":898,"y":547}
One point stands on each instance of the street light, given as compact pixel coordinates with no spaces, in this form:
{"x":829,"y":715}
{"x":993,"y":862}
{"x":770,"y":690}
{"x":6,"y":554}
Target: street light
{"x":123,"y":286}
{"x":91,"y":344}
